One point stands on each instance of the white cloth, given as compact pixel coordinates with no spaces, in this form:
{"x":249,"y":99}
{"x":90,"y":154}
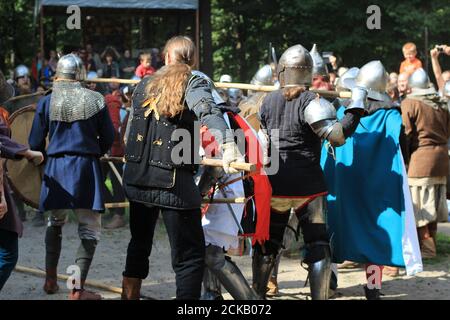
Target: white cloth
{"x":410,"y":241}
{"x":219,"y":226}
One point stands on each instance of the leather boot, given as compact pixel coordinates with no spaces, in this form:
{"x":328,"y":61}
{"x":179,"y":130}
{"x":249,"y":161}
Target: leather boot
{"x":426,"y":242}
{"x":432,"y":229}
{"x":83,"y":294}
{"x":272,"y":287}
{"x":131,"y":288}
{"x":51,"y":281}
{"x":372,"y":294}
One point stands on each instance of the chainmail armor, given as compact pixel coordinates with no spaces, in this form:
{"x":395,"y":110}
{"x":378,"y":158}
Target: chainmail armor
{"x":71,"y":102}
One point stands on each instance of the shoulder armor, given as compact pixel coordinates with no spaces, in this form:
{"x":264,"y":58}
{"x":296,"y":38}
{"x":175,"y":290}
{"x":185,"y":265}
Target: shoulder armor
{"x":320,"y":114}
{"x":319,"y":109}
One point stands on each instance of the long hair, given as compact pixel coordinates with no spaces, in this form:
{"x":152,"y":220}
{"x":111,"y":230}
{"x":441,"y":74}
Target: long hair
{"x":170,"y":81}
{"x":291,"y":93}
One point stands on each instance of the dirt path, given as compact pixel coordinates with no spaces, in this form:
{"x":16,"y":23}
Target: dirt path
{"x":432,"y":284}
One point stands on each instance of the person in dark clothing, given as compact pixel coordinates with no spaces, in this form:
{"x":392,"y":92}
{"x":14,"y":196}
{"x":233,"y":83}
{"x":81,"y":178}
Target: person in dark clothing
{"x":110,"y":68}
{"x":10,"y":223}
{"x":294,"y":121}
{"x":155,"y":181}
{"x":115,"y":170}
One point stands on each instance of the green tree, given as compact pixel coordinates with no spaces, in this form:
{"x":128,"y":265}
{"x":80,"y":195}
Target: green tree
{"x":242,"y":30}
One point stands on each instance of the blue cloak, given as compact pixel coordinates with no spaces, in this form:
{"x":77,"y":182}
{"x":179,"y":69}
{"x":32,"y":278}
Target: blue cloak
{"x":366,"y":202}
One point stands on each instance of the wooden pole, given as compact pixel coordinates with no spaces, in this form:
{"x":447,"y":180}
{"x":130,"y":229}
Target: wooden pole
{"x":63,"y":277}
{"x":224,"y":200}
{"x":244,"y":166}
{"x":197,"y":37}
{"x":243,"y":86}
{"x":114,"y":205}
{"x":117,"y":205}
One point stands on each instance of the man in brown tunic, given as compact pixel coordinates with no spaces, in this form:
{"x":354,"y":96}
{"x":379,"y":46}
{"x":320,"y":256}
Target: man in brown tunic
{"x":427,"y":122}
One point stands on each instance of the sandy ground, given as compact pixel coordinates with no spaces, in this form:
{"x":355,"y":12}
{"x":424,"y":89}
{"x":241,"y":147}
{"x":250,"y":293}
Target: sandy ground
{"x":432,"y":284}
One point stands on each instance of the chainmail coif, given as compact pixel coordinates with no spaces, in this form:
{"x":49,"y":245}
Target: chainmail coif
{"x":71,"y":102}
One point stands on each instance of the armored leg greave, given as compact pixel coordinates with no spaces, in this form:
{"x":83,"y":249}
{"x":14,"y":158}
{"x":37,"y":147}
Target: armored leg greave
{"x":262,"y":266}
{"x":211,"y":286}
{"x":319,"y":273}
{"x":228,"y":274}
{"x":317,"y":252}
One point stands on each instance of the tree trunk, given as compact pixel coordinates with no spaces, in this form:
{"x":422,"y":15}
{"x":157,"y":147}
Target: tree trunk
{"x":205,"y":21}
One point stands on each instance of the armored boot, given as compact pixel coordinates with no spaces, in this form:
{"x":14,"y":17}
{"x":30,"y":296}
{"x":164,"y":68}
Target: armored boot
{"x":234,"y":281}
{"x":228,"y":274}
{"x":131,"y":288}
{"x":262,"y":266}
{"x":319,"y":274}
{"x":211,"y":286}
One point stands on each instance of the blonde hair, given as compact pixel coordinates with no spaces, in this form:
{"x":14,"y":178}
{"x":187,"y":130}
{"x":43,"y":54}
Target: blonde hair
{"x":169,"y":82}
{"x":291,"y":93}
{"x":409,"y":47}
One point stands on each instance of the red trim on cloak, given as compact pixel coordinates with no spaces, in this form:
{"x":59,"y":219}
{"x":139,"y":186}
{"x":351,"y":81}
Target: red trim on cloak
{"x":262,"y":187}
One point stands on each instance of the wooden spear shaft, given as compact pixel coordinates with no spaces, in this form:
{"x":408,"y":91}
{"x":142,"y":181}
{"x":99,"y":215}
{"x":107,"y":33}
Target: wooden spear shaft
{"x":213,"y":201}
{"x":63,"y":277}
{"x":243,"y":86}
{"x":244,"y":166}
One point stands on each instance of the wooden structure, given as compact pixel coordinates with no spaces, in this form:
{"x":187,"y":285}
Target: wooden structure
{"x":134,"y":23}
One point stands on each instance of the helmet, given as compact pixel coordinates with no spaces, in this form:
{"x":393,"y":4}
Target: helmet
{"x":295,"y":67}
{"x":263,"y":77}
{"x":319,"y":67}
{"x":420,"y":84}
{"x":373,"y":78}
{"x":235,"y":95}
{"x":349,"y":74}
{"x":419,"y":79}
{"x":6,"y":90}
{"x":225,"y":78}
{"x":70,"y":67}
{"x":21,"y":71}
{"x":447,"y":89}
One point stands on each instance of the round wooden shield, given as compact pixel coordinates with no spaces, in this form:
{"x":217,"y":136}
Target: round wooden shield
{"x":16,"y":103}
{"x":24,"y":177}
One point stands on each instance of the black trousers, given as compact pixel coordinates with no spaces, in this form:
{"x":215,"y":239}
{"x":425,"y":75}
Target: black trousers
{"x":187,"y":244}
{"x":117,"y":194}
